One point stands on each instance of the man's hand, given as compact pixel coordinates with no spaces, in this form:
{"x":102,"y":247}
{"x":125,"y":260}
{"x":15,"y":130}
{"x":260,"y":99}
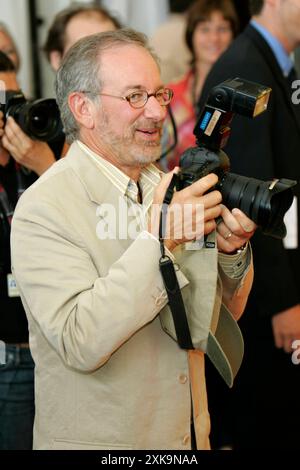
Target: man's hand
{"x":286,"y":328}
{"x":191,"y":214}
{"x":234,"y":230}
{"x":33,"y":154}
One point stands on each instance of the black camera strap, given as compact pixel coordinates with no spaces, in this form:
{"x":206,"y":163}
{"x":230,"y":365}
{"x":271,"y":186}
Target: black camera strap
{"x":168,"y":273}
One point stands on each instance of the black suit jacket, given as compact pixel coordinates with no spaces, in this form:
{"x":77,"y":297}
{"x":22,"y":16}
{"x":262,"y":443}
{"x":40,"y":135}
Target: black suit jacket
{"x":265,"y":147}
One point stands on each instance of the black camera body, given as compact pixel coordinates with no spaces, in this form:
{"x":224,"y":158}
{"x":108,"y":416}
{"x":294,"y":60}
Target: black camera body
{"x":39,"y":119}
{"x":265,"y":202}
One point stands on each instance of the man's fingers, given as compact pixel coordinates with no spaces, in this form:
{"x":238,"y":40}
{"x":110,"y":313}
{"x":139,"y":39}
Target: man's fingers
{"x":229,"y":223}
{"x":209,"y":226}
{"x":201,"y":186}
{"x":247,"y":224}
{"x":163,"y":186}
{"x":6,"y":143}
{"x":235,"y":223}
{"x":212,"y":212}
{"x":14,"y":151}
{"x":211,"y":199}
{"x":15,"y":133}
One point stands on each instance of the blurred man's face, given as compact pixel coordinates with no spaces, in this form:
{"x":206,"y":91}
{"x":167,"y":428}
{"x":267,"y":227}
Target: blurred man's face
{"x":8,"y":81}
{"x":8,"y":48}
{"x":85,"y":24}
{"x":80,"y":26}
{"x":289,"y":17}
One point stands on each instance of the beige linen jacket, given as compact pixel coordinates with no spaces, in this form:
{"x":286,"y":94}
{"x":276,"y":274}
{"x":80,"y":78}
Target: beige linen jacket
{"x":107,"y":375}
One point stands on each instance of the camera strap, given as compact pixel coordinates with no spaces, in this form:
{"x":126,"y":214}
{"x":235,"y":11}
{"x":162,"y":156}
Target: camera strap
{"x":168,"y":273}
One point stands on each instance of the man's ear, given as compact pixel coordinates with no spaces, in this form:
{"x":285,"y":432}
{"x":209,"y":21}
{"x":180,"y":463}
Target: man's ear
{"x":55,"y":59}
{"x":81,"y":108}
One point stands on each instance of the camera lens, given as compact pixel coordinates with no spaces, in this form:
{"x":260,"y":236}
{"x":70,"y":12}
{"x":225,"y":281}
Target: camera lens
{"x":265,"y":202}
{"x":39,"y":119}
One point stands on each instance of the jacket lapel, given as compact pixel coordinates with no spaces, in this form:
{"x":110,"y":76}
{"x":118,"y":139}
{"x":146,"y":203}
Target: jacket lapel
{"x":98,"y":187}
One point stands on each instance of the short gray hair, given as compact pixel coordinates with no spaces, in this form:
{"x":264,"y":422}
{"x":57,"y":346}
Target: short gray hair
{"x":80,"y":70}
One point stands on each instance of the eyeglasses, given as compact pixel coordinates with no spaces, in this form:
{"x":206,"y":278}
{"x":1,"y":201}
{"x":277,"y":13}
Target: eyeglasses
{"x":138,"y":99}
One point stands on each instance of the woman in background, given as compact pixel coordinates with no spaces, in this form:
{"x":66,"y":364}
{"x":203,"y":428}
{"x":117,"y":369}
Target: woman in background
{"x":211,"y":26}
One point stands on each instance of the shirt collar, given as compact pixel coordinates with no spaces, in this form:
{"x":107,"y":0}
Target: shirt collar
{"x":149,"y":178}
{"x":282,"y":57}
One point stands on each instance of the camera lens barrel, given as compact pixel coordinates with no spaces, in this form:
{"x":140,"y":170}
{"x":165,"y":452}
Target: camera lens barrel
{"x":265,"y":202}
{"x":39,"y":119}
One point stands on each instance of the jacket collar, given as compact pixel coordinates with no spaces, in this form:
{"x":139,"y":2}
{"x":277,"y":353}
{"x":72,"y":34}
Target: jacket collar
{"x":264,"y":48}
{"x":96,"y":184}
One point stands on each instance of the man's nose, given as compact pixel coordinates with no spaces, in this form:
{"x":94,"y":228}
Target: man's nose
{"x":154,"y":110}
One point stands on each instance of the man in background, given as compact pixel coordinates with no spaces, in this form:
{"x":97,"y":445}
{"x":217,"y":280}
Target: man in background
{"x":72,"y":24}
{"x":265,"y":401}
{"x":8,"y":46}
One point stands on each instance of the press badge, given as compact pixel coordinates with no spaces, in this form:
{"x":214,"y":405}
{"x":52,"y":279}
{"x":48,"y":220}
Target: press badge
{"x":12,"y":286}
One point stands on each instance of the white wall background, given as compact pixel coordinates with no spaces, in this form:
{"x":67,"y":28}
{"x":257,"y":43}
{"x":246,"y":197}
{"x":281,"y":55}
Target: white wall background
{"x":143,"y":15}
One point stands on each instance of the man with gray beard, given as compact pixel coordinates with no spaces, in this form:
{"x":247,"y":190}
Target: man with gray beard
{"x":108,"y":376}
